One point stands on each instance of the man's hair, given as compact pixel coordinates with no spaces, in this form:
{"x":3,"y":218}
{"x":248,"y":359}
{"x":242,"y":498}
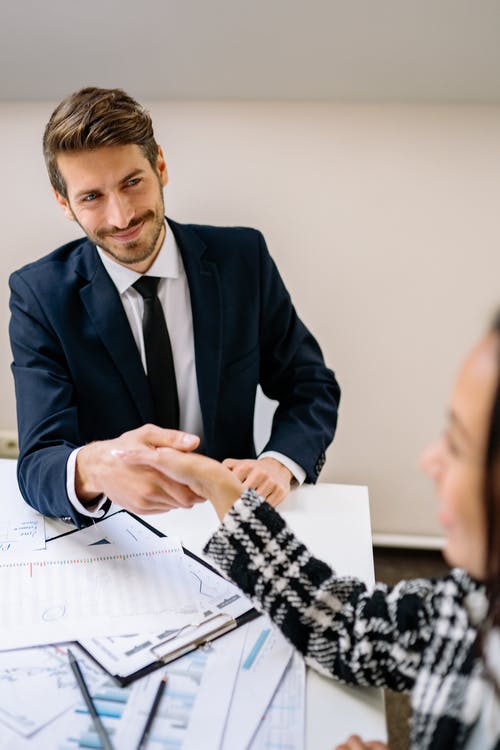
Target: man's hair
{"x":91,"y":118}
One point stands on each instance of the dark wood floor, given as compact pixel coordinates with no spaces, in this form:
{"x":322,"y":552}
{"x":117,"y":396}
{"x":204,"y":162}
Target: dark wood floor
{"x":391,"y":566}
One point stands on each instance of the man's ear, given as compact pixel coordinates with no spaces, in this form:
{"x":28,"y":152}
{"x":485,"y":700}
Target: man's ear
{"x":161,"y":166}
{"x":63,"y":202}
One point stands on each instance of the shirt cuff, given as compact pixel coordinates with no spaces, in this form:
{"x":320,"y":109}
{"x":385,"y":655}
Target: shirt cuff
{"x":95,"y":510}
{"x":298,"y":472}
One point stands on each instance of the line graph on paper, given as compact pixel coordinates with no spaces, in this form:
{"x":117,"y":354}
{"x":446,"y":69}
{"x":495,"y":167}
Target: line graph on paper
{"x":93,"y":593}
{"x":213,"y":591}
{"x":50,"y":665}
{"x":36,"y":685}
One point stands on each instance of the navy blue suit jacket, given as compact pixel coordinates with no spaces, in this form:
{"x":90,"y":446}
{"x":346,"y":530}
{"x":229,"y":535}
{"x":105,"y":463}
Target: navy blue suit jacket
{"x":79,"y":377}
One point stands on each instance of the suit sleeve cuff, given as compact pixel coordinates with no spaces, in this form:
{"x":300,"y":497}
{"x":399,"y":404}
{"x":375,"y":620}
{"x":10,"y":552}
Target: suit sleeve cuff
{"x":298,"y":472}
{"x":93,"y":511}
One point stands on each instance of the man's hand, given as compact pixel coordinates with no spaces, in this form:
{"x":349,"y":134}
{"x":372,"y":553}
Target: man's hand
{"x":204,"y":476}
{"x":138,"y":488}
{"x":356,"y":743}
{"x":267,"y":476}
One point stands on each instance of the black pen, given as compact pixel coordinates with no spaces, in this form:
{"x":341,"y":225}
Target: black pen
{"x":152,"y":713}
{"x":99,"y":726}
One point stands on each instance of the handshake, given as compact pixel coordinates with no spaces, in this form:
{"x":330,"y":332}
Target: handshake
{"x":153,"y":470}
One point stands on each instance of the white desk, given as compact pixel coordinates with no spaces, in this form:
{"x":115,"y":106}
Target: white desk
{"x":334,"y":521}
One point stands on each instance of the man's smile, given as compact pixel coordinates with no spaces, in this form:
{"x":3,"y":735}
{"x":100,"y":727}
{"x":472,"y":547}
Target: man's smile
{"x":127,"y":235}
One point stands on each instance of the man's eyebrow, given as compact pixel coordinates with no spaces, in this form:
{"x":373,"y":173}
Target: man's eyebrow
{"x":129,"y":176}
{"x":86,"y":191}
{"x":456,"y":423}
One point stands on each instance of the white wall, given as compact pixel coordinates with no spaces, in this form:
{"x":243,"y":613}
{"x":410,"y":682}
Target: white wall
{"x":384,"y":223}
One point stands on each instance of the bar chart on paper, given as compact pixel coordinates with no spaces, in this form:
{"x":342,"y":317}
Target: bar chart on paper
{"x":188,"y":717}
{"x":74,"y":729}
{"x":174,"y":714}
{"x":110,"y":703}
{"x":36,"y":686}
{"x":283,"y":725}
{"x":123,"y":711}
{"x":266,"y":655}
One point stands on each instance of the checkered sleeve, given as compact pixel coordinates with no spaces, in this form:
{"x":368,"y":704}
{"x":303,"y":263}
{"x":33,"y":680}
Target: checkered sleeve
{"x":341,"y":629}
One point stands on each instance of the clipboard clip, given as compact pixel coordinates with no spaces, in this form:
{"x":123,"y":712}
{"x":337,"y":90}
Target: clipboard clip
{"x":225,"y":622}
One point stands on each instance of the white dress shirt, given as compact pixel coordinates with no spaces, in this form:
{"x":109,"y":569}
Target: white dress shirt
{"x":173,"y":292}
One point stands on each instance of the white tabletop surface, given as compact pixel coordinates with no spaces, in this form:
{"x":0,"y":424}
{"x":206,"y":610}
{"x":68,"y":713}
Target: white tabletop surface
{"x":334,"y":522}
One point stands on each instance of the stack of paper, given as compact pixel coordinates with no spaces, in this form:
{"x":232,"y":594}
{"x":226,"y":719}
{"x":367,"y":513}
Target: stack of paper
{"x":131,"y":596}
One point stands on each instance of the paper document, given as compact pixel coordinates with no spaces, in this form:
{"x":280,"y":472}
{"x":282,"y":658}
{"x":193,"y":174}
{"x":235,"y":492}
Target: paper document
{"x":75,"y":728}
{"x":283,"y":725}
{"x":266,"y":655}
{"x":102,"y":580}
{"x":24,"y":532}
{"x":218,"y":601}
{"x":37,"y":685}
{"x":188,"y":717}
{"x":193,"y":709}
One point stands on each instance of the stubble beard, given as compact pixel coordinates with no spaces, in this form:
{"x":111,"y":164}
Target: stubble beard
{"x":144,"y":252}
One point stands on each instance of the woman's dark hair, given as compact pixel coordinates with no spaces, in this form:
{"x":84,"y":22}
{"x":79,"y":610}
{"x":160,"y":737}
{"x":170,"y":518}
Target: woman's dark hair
{"x":492,"y":497}
{"x":492,"y":514}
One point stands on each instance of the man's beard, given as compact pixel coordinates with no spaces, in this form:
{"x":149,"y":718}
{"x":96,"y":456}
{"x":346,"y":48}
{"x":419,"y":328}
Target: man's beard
{"x":143,"y":252}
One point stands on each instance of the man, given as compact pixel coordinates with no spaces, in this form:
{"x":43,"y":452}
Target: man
{"x":96,"y":369}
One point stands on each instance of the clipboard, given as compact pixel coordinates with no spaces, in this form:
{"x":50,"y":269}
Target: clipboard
{"x":127,"y":658}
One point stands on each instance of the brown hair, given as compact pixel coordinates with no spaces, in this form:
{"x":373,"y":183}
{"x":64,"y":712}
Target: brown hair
{"x":94,"y":117}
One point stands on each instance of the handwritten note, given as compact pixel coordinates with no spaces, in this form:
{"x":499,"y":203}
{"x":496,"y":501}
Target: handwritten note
{"x":23,"y":532}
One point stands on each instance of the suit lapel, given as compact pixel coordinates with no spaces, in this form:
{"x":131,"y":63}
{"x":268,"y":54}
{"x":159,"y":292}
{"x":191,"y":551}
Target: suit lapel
{"x":105,"y":309}
{"x":206,"y":305}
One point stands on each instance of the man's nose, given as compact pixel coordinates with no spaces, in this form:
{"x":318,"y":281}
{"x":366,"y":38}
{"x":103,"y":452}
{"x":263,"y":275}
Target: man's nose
{"x":119,"y":211}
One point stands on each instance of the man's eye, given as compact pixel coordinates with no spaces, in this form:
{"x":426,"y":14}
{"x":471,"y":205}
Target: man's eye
{"x":89,"y":197}
{"x":133,"y":181}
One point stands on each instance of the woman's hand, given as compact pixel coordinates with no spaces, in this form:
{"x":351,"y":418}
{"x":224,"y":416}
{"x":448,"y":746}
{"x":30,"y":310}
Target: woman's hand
{"x":356,"y":743}
{"x":204,"y":476}
{"x":138,"y":488}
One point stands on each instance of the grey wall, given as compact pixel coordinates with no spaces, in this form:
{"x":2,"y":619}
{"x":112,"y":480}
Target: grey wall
{"x":384,"y":223}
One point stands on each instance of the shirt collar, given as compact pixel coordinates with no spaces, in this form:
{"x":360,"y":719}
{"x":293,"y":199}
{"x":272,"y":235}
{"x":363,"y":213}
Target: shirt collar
{"x":165,"y":265}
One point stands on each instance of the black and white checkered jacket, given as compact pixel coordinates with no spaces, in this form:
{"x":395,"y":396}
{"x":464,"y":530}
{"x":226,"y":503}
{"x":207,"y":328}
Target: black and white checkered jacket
{"x":418,"y":635}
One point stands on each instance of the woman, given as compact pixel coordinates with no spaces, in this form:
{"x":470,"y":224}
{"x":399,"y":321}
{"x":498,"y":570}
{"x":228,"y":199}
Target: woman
{"x":438,"y":638}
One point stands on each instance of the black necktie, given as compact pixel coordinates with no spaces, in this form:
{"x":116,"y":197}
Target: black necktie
{"x":159,"y":360}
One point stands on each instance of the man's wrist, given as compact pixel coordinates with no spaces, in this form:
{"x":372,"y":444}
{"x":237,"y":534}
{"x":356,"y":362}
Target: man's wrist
{"x":87,"y":487}
{"x":297,"y":472}
{"x":93,"y":508}
{"x":279,"y":466}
